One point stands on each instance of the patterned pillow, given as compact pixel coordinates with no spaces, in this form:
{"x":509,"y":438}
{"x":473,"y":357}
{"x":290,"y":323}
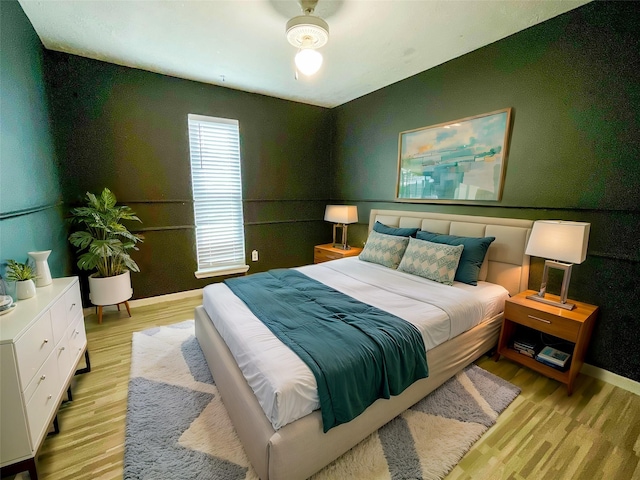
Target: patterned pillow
{"x":384,"y":249}
{"x":473,"y":255}
{"x":435,"y":261}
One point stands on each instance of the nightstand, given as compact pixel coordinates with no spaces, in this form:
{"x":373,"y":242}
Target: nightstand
{"x":574,"y":326}
{"x":324,"y":253}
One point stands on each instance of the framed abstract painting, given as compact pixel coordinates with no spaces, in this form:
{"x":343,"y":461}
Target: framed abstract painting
{"x":462,"y":161}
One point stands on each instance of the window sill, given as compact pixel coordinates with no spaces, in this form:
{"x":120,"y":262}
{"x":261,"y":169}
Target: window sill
{"x":221,"y":271}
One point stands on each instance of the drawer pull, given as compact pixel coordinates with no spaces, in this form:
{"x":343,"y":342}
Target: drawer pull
{"x":539,"y":319}
{"x":62,"y":349}
{"x":72,"y":305}
{"x":46,"y":341}
{"x":49,"y":397}
{"x":43,"y":377}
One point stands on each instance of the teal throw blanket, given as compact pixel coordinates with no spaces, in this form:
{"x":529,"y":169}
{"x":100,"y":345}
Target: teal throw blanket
{"x":357,"y":353}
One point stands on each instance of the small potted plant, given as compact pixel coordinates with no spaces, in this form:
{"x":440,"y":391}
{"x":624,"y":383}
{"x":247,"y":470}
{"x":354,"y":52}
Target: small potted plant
{"x":104,"y":244}
{"x":23,"y":274}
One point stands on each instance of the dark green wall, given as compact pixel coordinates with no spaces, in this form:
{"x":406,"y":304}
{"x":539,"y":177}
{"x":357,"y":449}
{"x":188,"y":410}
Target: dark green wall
{"x":126,"y":129}
{"x":574,"y":85}
{"x":30,"y":196}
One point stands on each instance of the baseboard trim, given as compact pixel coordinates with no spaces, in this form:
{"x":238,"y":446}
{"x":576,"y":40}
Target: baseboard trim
{"x":142,"y":302}
{"x":169,"y":297}
{"x":612,"y":378}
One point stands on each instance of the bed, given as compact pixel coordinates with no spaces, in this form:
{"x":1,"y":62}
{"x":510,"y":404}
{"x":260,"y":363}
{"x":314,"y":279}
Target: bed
{"x":295,"y":447}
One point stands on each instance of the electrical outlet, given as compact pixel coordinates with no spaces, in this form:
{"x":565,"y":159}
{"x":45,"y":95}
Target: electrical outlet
{"x":254,"y":256}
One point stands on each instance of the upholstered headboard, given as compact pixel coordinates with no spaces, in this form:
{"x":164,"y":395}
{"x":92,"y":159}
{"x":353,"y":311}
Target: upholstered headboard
{"x":507,"y":263}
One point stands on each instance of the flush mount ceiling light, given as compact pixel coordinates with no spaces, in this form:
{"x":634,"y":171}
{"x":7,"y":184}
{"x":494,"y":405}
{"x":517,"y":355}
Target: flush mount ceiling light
{"x":307,"y":33}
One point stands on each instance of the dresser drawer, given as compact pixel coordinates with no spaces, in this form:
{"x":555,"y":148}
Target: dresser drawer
{"x":44,"y":395}
{"x":77,"y":338}
{"x":64,"y":312}
{"x":564,"y":328}
{"x":65,"y":359}
{"x":33,"y":348}
{"x":46,"y":376}
{"x":73,"y":302}
{"x":59,"y":320}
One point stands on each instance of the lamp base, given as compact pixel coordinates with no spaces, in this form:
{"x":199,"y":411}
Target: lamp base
{"x":343,"y":245}
{"x":538,"y":298}
{"x":566,"y":277}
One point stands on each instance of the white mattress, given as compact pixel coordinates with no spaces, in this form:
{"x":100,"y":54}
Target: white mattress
{"x":283,"y":384}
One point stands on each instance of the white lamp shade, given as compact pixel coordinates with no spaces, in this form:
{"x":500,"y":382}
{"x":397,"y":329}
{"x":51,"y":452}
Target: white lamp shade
{"x":308,"y":61}
{"x":341,"y":213}
{"x":559,"y":240}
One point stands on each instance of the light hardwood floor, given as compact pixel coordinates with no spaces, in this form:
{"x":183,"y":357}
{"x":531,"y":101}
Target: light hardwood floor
{"x":594,"y":434}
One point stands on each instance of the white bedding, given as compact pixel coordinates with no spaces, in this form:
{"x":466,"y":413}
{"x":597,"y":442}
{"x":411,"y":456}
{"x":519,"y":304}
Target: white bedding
{"x":283,"y":384}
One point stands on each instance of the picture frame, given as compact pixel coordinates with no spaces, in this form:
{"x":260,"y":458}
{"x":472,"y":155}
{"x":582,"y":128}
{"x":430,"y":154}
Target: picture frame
{"x":461,"y":161}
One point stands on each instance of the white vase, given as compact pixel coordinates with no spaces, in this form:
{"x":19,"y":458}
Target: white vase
{"x":42,"y":267}
{"x":25,"y":289}
{"x":110,"y":290}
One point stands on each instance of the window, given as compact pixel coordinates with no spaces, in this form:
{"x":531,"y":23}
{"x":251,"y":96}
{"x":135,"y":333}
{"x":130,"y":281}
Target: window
{"x":214,"y":144}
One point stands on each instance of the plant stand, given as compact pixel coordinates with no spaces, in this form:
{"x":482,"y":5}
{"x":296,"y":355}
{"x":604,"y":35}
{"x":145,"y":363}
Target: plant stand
{"x":99,"y":310}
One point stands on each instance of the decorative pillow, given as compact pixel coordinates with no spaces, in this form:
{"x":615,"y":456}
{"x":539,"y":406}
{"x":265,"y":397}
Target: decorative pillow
{"x":435,"y":261}
{"x":475,"y":249}
{"x":384,"y":249}
{"x":400,"y":232}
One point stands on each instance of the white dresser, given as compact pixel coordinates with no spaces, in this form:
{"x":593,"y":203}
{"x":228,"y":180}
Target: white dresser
{"x":41,"y":343}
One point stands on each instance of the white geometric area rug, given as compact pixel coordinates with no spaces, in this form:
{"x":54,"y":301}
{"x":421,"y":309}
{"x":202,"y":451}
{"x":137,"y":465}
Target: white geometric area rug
{"x":178,"y":428}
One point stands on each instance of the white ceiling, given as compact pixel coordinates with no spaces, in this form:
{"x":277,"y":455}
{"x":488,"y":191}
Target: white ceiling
{"x":241,"y":44}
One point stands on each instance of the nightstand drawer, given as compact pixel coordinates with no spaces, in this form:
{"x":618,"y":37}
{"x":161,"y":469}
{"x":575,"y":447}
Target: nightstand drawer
{"x":321,"y":255}
{"x":324,"y":253}
{"x":564,"y":328}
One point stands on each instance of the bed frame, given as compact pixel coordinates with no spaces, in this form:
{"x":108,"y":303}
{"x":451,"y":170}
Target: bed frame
{"x":300,"y":448}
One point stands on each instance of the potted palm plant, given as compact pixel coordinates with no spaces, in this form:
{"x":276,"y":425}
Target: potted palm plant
{"x":23,"y":274}
{"x":104,"y":243}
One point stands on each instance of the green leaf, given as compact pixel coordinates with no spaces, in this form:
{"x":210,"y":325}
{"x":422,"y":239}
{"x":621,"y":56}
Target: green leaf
{"x":108,"y":199}
{"x":81,"y":239}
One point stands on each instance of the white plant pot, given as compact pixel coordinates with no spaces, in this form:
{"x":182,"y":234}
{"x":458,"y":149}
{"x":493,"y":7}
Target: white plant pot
{"x":25,"y":289}
{"x":110,"y":290}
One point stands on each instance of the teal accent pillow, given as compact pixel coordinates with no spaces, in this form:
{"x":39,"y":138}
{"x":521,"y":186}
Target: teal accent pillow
{"x":384,"y":249}
{"x":473,"y":254}
{"x":435,"y":261}
{"x":400,"y":232}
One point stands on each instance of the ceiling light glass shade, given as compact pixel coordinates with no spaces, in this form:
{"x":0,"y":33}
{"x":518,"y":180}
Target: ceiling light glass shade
{"x":308,"y":61}
{"x":306,"y":28}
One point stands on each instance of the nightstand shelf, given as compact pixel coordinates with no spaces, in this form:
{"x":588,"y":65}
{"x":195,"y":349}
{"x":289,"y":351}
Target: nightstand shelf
{"x":535,"y":365}
{"x":326,"y":252}
{"x":573,"y":326}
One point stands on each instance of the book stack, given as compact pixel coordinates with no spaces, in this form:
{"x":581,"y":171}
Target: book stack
{"x":553,"y":358}
{"x":525,"y":345}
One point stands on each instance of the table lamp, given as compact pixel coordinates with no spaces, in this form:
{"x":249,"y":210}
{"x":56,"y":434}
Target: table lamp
{"x":341,"y":216}
{"x":561,"y":244}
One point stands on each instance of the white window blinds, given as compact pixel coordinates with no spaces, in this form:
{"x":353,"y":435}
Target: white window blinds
{"x":214,"y":144}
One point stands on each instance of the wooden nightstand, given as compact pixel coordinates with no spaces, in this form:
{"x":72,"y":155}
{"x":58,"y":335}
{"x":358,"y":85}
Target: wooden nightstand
{"x":574,"y":326}
{"x":324,"y":253}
